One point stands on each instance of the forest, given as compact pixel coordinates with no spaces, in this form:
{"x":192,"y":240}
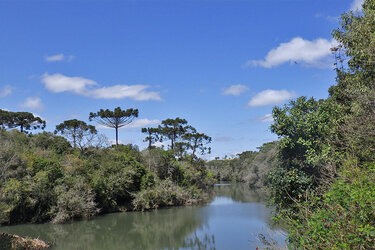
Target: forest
{"x":73,"y":173}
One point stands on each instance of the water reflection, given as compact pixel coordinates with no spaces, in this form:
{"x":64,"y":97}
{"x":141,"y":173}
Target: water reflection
{"x":239,"y":192}
{"x":230,"y":221}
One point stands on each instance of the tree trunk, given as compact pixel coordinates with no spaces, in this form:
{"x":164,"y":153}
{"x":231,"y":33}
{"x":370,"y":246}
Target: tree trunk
{"x":149,"y":140}
{"x":116,"y":136}
{"x":74,"y":138}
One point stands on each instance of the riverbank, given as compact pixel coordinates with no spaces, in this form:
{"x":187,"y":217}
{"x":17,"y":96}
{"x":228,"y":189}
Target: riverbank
{"x":15,"y":242}
{"x":44,"y":179}
{"x":231,"y":220}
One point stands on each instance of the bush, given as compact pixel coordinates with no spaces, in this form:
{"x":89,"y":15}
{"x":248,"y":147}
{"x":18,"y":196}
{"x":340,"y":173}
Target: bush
{"x":43,"y":179}
{"x":115,"y":179}
{"x":76,"y":201}
{"x":344,"y":218}
{"x":164,"y":193}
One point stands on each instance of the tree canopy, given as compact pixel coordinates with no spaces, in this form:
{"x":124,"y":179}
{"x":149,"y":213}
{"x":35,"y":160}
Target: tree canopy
{"x":182,"y":137}
{"x":172,"y":129}
{"x":24,"y":120}
{"x":197,"y":141}
{"x":79,"y":133}
{"x":152,"y":136}
{"x":116,"y":119}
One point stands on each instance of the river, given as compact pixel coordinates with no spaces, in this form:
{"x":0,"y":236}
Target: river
{"x":232,"y":220}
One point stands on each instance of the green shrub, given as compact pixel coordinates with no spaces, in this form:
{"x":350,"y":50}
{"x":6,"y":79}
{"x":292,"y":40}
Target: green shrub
{"x":75,"y":200}
{"x":344,"y":218}
{"x":43,"y":179}
{"x":164,"y":193}
{"x":115,"y":180}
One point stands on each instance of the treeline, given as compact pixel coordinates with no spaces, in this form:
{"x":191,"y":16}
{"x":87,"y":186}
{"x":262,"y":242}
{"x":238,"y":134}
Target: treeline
{"x":48,"y":177}
{"x":184,"y":139}
{"x":250,"y":167}
{"x":324,"y":183}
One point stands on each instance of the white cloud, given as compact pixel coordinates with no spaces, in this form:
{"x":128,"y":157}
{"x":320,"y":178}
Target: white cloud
{"x":313,"y":53}
{"x":34,"y":103}
{"x":357,"y":5}
{"x":235,"y":90}
{"x":141,"y":123}
{"x":270,"y":97}
{"x":161,"y":144}
{"x":83,"y":86}
{"x":58,"y":57}
{"x":37,"y":115}
{"x":59,"y":83}
{"x":6,"y":90}
{"x":266,"y":118}
{"x":136,"y":92}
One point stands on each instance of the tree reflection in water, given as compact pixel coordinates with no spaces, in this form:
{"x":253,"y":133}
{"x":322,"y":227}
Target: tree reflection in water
{"x":228,"y":222}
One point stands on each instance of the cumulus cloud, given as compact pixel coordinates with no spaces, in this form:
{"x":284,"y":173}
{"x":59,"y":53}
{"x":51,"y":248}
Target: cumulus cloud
{"x":141,"y":123}
{"x":357,"y":5}
{"x":270,"y":97}
{"x":266,"y":118}
{"x":6,"y":90}
{"x":58,"y":57}
{"x":59,"y":83}
{"x":135,"y":92}
{"x":313,"y":53}
{"x":82,"y":86}
{"x":33,"y":103}
{"x":235,"y":90}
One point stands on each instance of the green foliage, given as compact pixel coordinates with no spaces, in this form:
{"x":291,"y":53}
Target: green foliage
{"x":75,"y":200}
{"x":172,"y":129}
{"x":182,"y":137}
{"x":344,"y":218}
{"x":324,"y":183}
{"x":250,"y":166}
{"x":79,"y":133}
{"x":166,"y":193}
{"x":197,"y":141}
{"x":304,"y":126}
{"x":24,"y":120}
{"x":42,"y":179}
{"x":152,"y":136}
{"x":115,"y":180}
{"x":47,"y":141}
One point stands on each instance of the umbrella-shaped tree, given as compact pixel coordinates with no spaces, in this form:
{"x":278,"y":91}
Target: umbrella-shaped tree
{"x":114,"y":119}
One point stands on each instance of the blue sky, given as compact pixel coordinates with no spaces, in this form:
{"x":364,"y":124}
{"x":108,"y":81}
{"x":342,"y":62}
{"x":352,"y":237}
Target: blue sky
{"x":222,"y":65}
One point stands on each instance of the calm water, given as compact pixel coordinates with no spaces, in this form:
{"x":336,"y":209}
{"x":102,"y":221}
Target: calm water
{"x":231,"y":221}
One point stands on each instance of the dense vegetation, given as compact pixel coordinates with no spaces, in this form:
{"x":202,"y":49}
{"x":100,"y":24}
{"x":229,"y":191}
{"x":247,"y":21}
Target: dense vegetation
{"x":45,"y":177}
{"x":251,"y":167}
{"x":324,"y":183}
